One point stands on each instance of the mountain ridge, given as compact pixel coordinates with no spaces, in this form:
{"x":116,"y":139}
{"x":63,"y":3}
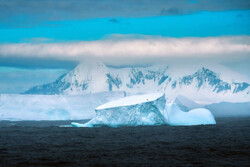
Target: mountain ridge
{"x":91,"y":78}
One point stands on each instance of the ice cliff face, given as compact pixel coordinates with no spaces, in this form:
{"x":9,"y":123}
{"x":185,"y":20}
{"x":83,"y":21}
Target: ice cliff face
{"x":148,"y":109}
{"x":206,"y":84}
{"x":57,"y":107}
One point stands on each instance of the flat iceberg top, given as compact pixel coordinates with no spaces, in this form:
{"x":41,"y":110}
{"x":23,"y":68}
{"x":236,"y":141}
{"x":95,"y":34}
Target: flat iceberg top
{"x":131,"y":100}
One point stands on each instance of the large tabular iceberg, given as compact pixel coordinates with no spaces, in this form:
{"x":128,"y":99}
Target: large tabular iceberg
{"x":131,"y":111}
{"x":149,"y":109}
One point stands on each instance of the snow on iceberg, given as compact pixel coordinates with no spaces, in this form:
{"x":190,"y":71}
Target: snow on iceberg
{"x":131,"y":111}
{"x":199,"y":116}
{"x":149,"y":109}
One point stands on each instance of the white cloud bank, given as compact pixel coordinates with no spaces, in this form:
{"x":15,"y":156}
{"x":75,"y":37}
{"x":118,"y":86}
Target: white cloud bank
{"x":209,"y":47}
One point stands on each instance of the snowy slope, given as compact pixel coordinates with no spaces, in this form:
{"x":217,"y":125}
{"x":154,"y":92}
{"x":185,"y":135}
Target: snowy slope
{"x":203,"y":84}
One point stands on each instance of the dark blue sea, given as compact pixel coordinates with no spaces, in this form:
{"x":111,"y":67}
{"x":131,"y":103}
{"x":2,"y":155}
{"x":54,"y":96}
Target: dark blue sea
{"x":45,"y":143}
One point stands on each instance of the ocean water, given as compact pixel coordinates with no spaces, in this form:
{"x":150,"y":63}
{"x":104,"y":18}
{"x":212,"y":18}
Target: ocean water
{"x":45,"y":143}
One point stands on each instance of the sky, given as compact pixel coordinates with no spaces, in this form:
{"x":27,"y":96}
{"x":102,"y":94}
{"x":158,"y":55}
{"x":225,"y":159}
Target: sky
{"x":43,"y":39}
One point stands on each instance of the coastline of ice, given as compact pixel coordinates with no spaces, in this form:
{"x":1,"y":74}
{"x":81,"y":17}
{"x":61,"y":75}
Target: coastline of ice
{"x":53,"y":107}
{"x":149,"y":109}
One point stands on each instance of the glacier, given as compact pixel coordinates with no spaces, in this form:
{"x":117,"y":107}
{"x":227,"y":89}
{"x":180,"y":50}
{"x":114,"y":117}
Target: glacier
{"x":147,"y":109}
{"x":53,"y":107}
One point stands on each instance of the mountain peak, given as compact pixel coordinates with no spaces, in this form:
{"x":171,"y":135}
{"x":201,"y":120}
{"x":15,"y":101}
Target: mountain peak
{"x":97,"y":77}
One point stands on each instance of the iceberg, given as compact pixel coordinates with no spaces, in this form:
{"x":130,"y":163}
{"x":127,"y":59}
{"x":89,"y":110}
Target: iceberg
{"x":186,"y":104}
{"x":198,"y":116}
{"x":148,"y":109}
{"x":75,"y":124}
{"x":131,"y":111}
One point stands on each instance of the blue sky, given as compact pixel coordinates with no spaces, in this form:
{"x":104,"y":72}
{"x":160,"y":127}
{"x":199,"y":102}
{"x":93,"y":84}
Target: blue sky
{"x":33,"y":23}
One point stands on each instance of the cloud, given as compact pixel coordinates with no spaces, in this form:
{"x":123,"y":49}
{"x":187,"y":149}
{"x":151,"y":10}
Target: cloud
{"x":28,"y":13}
{"x":36,"y":62}
{"x":128,"y":49}
{"x":114,"y":20}
{"x":171,"y":11}
{"x":18,"y":80}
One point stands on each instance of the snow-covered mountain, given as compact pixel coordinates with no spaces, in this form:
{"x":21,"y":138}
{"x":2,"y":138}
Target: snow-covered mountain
{"x":203,"y":84}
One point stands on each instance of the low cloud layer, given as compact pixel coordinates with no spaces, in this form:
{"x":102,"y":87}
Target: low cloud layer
{"x":143,"y":48}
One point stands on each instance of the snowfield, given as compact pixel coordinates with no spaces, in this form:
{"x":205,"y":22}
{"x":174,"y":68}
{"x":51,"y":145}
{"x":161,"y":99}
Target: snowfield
{"x":131,"y":100}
